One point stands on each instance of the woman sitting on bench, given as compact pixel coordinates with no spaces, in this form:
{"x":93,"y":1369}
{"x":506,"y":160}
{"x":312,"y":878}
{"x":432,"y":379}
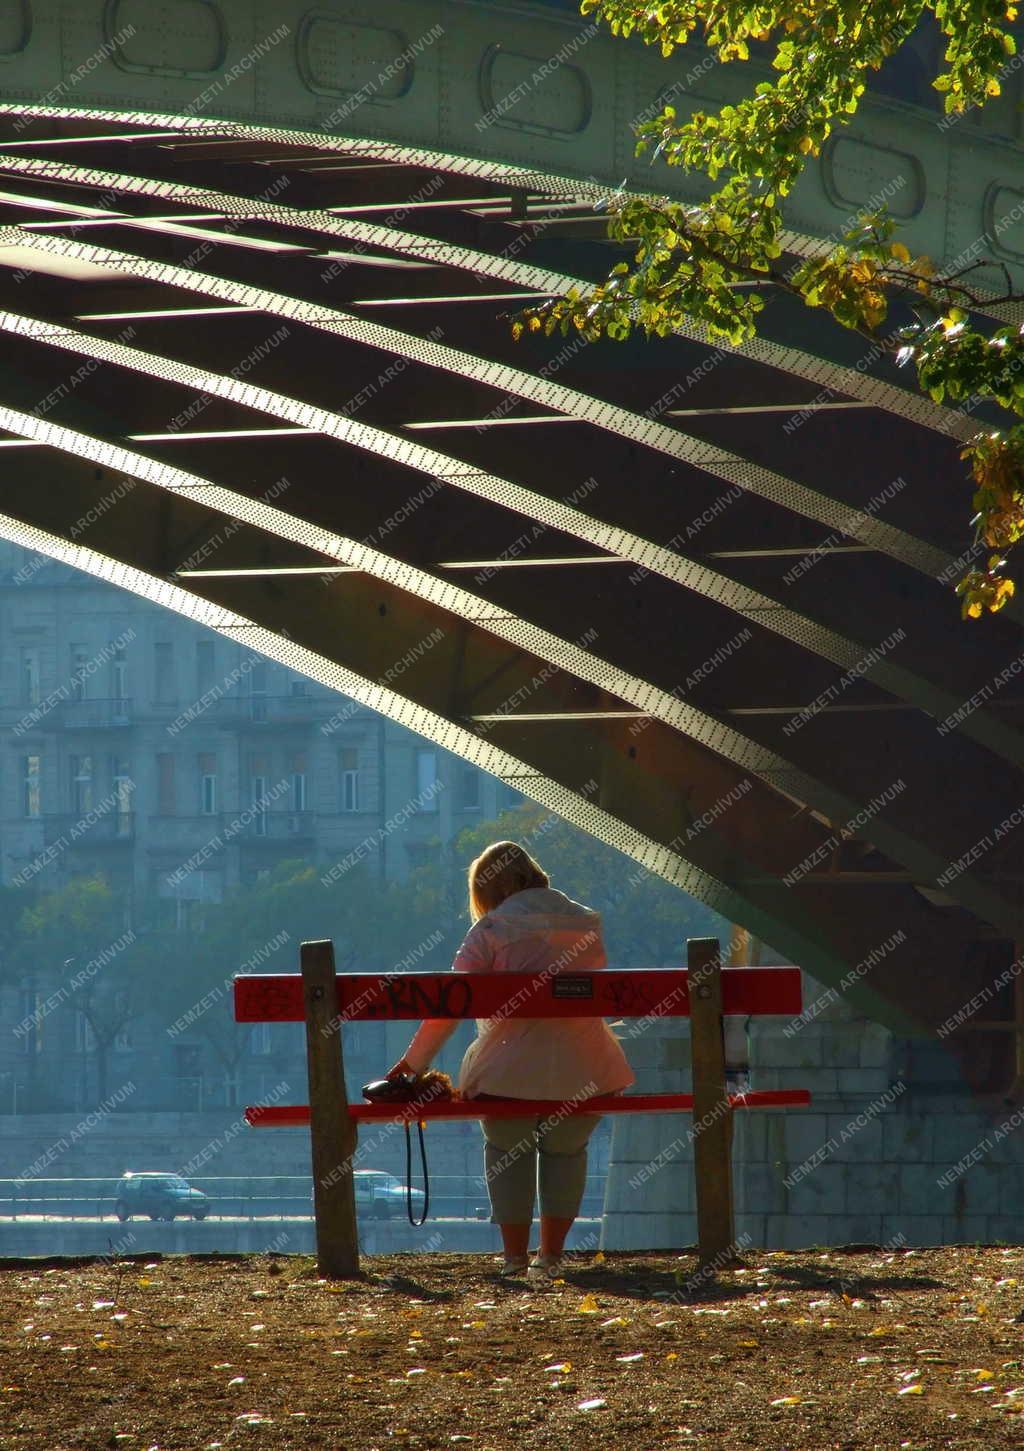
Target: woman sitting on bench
{"x":521,"y":924}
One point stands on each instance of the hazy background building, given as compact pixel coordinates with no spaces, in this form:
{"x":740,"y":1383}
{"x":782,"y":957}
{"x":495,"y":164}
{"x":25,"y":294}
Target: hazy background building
{"x":147,"y":750}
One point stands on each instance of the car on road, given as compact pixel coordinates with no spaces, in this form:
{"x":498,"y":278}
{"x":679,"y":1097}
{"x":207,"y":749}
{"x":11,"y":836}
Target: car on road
{"x":161,"y":1196}
{"x":381,"y":1195}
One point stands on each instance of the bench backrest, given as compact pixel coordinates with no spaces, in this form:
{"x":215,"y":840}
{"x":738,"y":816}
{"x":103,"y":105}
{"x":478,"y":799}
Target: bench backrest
{"x":604,"y":993}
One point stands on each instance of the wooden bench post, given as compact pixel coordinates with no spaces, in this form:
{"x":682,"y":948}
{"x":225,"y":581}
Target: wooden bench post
{"x":712,"y":1117}
{"x":332,"y":1132}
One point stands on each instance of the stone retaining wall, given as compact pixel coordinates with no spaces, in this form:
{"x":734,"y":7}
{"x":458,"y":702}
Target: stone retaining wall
{"x":892,"y":1148}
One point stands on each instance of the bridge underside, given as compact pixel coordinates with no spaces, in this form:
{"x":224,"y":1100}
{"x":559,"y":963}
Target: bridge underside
{"x":697,"y":601}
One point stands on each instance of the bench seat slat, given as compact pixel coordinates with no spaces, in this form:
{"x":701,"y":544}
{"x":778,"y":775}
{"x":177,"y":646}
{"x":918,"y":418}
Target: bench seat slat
{"x":291,"y":1115}
{"x":608,"y":993}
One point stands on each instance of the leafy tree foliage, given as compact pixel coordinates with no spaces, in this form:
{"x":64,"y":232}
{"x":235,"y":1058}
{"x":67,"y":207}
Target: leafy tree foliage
{"x":373,"y":926}
{"x":688,"y":259}
{"x":79,"y":935}
{"x":646,"y":920}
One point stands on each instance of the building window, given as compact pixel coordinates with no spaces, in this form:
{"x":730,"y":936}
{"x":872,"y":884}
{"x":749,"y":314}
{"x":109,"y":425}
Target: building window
{"x":426,"y":780}
{"x":81,"y":784}
{"x":119,"y":681}
{"x":208,"y":784}
{"x":85,"y":1038}
{"x":29,"y":675}
{"x":297,"y":771}
{"x":257,"y":793}
{"x":348,"y":762}
{"x":30,"y":1018}
{"x":121,"y":777}
{"x":258,"y":690}
{"x":165,"y":795}
{"x":188,"y":1062}
{"x":31,"y":771}
{"x":469,"y":789}
{"x":205,"y":666}
{"x":259,"y":1038}
{"x":79,"y":657}
{"x":163,"y":673}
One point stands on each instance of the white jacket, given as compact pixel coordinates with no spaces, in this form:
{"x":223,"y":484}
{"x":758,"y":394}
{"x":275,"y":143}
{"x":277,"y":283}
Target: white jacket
{"x":558,"y":1058}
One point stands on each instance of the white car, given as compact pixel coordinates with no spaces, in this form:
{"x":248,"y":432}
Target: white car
{"x":381,"y":1195}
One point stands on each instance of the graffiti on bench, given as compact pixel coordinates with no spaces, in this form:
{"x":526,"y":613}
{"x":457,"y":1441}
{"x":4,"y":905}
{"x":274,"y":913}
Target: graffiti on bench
{"x":606,"y":993}
{"x":422,"y":997}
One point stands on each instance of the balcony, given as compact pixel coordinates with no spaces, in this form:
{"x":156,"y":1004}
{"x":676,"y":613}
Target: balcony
{"x":278,"y":826}
{"x":185,"y":834}
{"x":99,"y":714}
{"x":109,"y":829}
{"x":272,"y":710}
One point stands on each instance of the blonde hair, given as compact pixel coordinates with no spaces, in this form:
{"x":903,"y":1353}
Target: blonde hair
{"x":500,"y":870}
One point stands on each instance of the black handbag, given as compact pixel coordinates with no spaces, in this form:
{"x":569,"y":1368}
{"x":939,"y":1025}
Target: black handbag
{"x":412,"y":1088}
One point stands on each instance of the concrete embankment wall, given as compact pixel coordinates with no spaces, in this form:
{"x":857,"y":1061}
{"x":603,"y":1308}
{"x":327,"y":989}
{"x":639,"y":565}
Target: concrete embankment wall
{"x":893,"y":1149}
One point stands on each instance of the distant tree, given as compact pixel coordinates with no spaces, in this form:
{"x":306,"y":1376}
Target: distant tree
{"x":77,"y":940}
{"x":259,"y":929}
{"x":646,"y":920}
{"x":14,"y":903}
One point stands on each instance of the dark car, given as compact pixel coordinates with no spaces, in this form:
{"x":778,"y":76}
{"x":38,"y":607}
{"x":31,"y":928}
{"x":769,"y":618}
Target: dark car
{"x":161,"y":1196}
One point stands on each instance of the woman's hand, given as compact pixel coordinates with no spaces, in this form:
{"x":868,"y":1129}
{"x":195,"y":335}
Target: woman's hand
{"x":400,"y":1068}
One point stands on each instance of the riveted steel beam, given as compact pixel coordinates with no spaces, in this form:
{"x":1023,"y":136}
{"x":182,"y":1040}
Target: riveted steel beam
{"x":856,"y":382}
{"x":750,"y":603}
{"x":705,"y":732}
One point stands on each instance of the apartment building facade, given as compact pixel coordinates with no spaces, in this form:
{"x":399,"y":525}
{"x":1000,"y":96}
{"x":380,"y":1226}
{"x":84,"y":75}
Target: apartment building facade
{"x":140,"y":745}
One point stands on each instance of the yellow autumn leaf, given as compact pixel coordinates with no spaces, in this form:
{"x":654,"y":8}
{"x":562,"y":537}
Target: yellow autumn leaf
{"x":805,"y":144}
{"x":897,"y":250}
{"x":914,"y":1390}
{"x":786,"y":1401}
{"x":588,"y":1305}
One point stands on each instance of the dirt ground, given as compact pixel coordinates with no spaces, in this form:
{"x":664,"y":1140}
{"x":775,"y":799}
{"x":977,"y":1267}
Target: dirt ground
{"x":849,"y":1350}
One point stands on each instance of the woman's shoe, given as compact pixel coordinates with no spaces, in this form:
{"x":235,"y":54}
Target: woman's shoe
{"x":544,"y":1269}
{"x":515,"y":1266}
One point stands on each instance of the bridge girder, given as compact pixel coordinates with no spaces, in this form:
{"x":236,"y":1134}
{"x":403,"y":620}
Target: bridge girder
{"x":548,"y":547}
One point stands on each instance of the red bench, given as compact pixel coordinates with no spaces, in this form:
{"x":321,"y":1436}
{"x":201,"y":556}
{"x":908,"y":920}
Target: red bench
{"x":704,"y":991}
